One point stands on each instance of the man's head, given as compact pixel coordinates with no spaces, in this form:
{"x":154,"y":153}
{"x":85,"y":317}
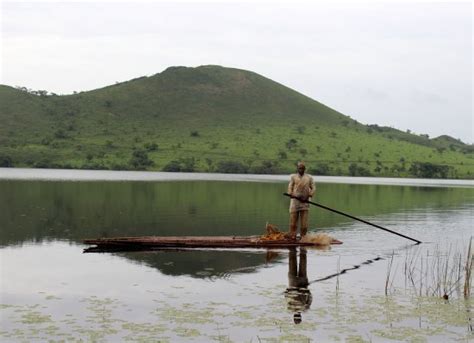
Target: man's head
{"x":300,"y":167}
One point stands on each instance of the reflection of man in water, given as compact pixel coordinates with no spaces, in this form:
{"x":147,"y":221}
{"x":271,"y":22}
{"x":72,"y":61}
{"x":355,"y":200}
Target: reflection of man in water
{"x":297,"y":294}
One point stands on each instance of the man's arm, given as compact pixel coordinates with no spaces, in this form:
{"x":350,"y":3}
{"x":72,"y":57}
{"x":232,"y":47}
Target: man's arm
{"x":291,"y":185}
{"x":312,"y":187}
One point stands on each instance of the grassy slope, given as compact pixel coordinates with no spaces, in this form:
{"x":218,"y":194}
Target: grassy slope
{"x":238,"y":116}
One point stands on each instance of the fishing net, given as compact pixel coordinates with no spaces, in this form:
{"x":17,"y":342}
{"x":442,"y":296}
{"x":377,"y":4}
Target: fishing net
{"x":273,"y":234}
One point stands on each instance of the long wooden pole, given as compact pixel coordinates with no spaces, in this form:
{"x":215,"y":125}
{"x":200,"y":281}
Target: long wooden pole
{"x":355,"y":218}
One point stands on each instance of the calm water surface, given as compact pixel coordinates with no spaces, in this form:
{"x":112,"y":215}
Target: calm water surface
{"x":50,"y":290}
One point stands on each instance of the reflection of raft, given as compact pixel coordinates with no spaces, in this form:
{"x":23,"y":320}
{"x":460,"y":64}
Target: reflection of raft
{"x":157,"y":242}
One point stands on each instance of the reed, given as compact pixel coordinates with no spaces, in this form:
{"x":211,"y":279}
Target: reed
{"x":440,"y":273}
{"x":468,"y":271}
{"x":389,"y":272}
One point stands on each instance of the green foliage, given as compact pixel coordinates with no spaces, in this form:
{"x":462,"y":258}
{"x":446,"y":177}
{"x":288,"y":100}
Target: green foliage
{"x":266,"y":167}
{"x":173,"y":166}
{"x":234,"y":167}
{"x":151,"y":146}
{"x":140,"y":160}
{"x":321,"y":169}
{"x":429,"y":170}
{"x":6,"y":161}
{"x":181,"y":165}
{"x":356,"y":170}
{"x":301,"y":130}
{"x":282,"y":155}
{"x":60,"y":134}
{"x":291,"y":143}
{"x":45,"y":163}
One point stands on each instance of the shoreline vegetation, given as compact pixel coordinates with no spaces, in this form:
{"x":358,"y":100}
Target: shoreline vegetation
{"x":216,"y":120}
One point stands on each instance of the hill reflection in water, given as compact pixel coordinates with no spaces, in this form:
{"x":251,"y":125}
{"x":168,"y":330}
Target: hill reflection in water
{"x":205,"y":263}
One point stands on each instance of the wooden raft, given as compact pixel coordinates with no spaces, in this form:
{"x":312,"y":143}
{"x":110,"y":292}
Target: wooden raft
{"x":157,"y":242}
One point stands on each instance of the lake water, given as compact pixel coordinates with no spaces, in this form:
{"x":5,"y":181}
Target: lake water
{"x":51,"y":290}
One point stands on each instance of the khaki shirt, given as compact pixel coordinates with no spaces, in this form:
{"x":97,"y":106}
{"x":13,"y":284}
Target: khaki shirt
{"x":300,"y":186}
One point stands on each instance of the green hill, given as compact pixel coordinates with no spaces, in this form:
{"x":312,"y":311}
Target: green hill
{"x":212,"y":119}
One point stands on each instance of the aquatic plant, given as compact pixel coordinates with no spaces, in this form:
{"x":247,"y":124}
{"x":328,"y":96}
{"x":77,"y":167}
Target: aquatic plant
{"x":388,"y":284}
{"x":468,"y":271}
{"x":440,"y":273}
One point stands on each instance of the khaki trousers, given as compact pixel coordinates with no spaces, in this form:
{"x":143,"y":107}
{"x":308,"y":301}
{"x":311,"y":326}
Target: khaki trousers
{"x":302,"y":217}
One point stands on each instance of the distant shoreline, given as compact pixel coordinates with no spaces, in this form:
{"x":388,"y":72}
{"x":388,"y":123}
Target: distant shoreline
{"x":40,"y":174}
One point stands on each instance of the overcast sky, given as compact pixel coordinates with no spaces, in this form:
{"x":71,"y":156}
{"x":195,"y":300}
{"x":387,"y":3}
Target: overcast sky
{"x":403,"y":65}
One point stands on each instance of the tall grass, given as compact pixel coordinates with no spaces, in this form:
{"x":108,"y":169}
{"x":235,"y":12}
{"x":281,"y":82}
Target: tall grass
{"x":468,"y":271}
{"x":439,"y":273}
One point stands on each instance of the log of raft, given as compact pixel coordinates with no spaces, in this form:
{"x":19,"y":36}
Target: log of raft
{"x":157,"y":242}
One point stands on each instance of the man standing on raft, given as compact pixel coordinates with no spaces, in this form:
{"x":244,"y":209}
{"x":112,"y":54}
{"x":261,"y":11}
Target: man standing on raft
{"x":301,"y":188}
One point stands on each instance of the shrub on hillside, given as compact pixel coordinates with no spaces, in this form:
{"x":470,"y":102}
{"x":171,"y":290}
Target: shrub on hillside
{"x":282,"y":155}
{"x":140,"y":160}
{"x":45,"y":162}
{"x":181,"y":165}
{"x":291,"y":143}
{"x":356,"y":170}
{"x":151,"y":146}
{"x":46,"y":141}
{"x":321,"y":169}
{"x":118,"y":166}
{"x":94,"y":166}
{"x":60,"y":134}
{"x":231,"y":167}
{"x":266,"y":167}
{"x":300,"y":129}
{"x":429,"y":170}
{"x":194,"y":134}
{"x":173,"y":166}
{"x":189,"y":164}
{"x":209,"y":163}
{"x":6,"y":161}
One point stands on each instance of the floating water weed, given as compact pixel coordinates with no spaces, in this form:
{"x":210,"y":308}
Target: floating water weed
{"x":35,"y":317}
